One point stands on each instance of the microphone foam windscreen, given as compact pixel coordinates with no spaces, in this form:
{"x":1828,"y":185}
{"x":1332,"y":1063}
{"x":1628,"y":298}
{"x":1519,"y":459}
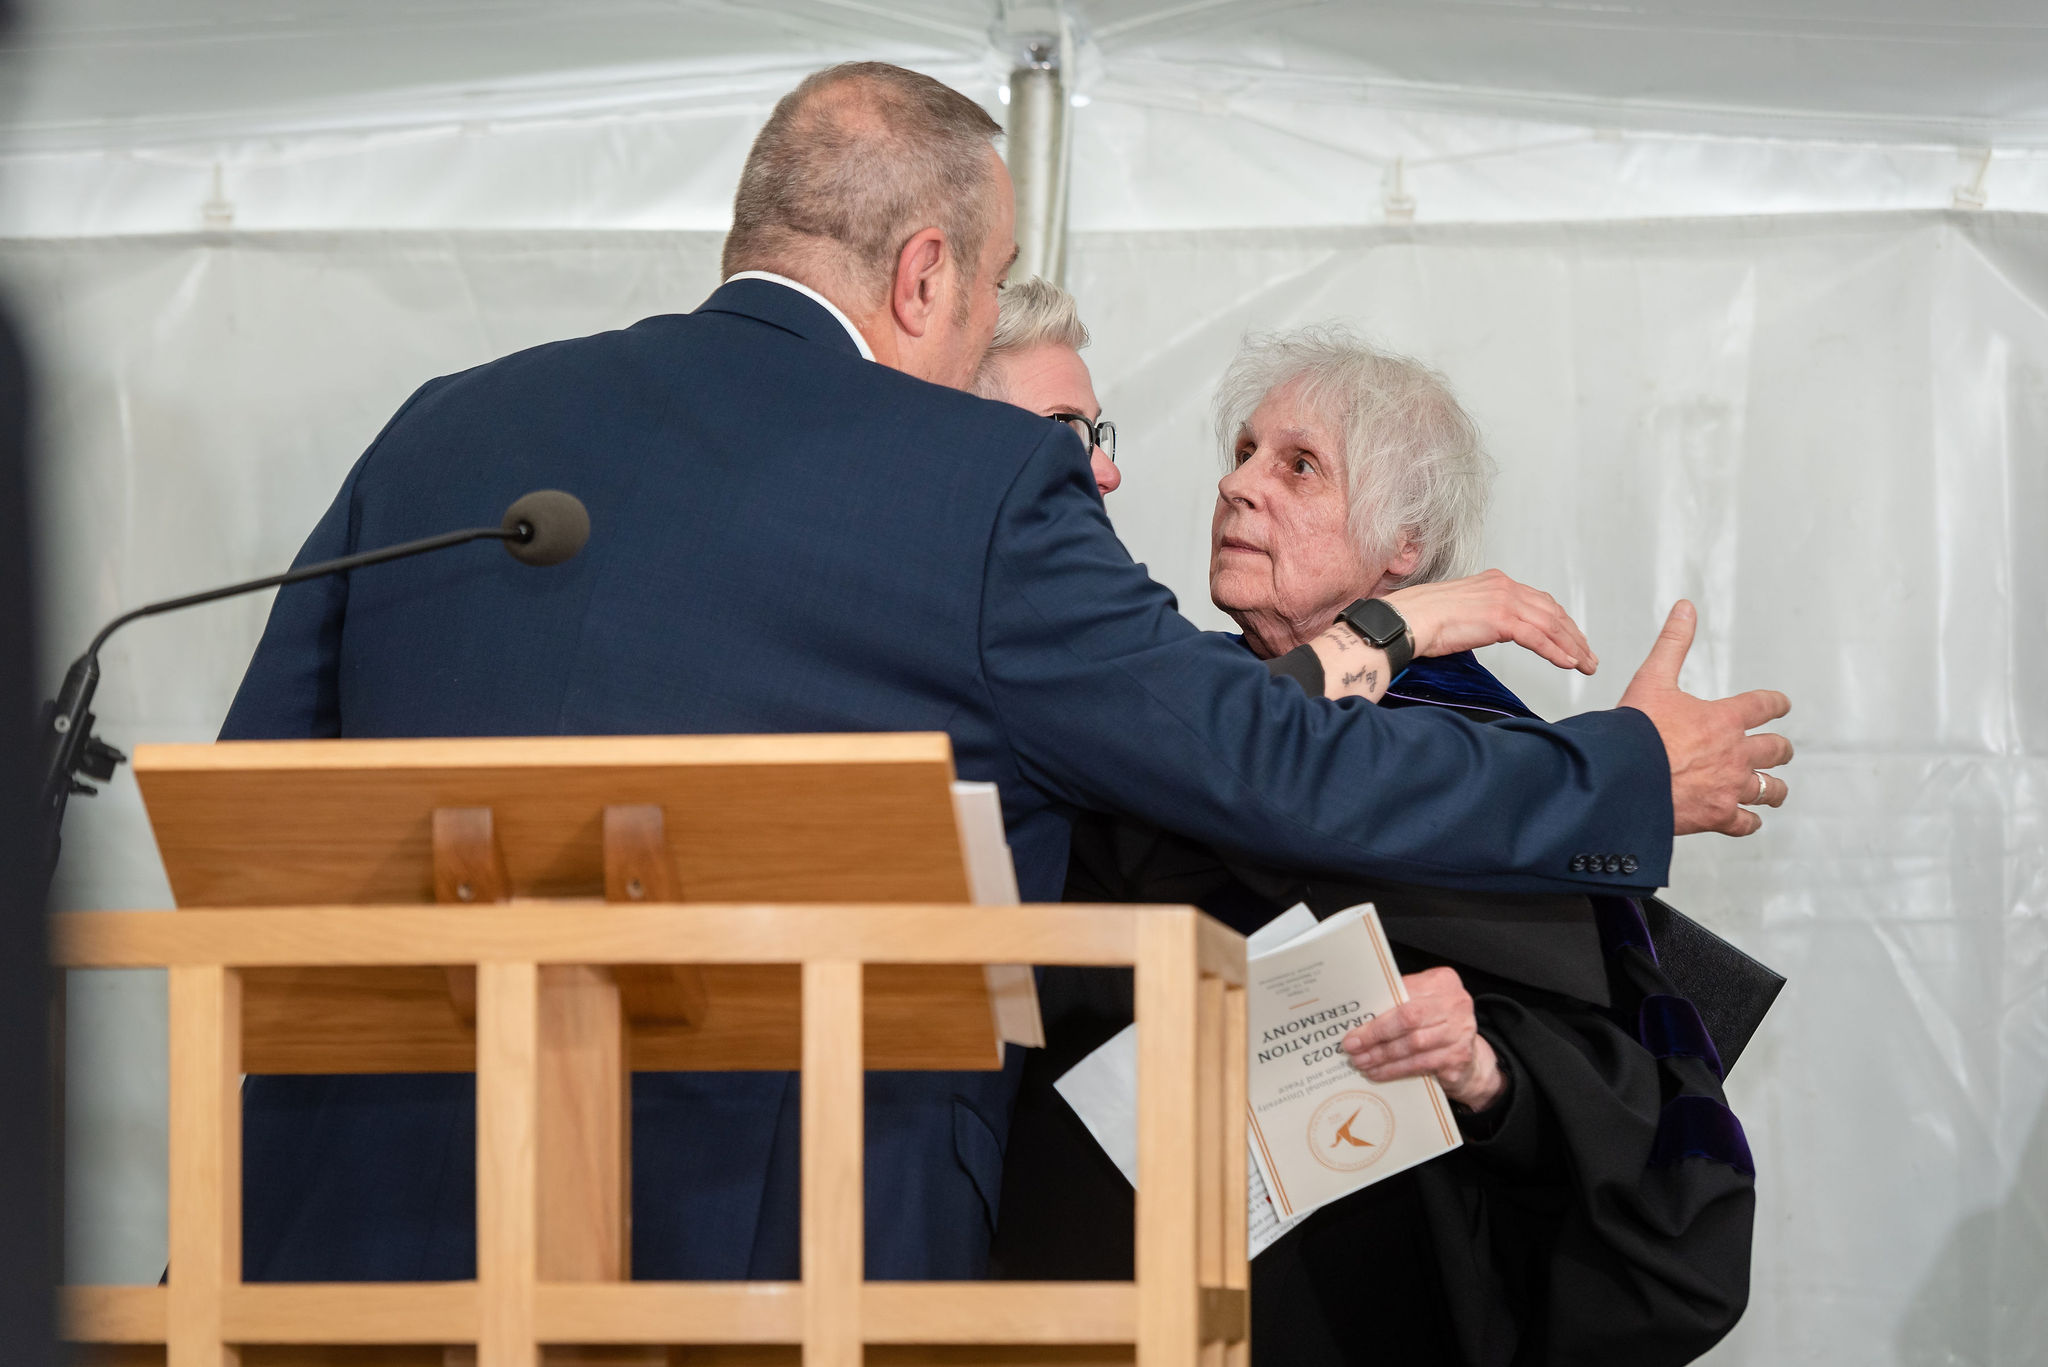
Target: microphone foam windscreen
{"x":557,"y":525}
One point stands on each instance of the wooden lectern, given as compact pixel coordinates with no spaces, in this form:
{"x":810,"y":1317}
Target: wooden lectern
{"x":556,"y":913}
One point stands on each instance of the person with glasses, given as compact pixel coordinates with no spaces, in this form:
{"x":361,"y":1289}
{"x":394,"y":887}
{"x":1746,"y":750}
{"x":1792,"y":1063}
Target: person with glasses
{"x":1601,"y":1208}
{"x":1035,"y":363}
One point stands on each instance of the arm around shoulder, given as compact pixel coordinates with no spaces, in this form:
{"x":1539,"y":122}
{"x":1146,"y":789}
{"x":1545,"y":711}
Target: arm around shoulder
{"x":1113,"y":701}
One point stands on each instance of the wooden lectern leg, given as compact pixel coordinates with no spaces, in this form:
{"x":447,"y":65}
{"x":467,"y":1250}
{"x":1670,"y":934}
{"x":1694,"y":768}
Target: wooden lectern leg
{"x":1237,"y":1271}
{"x":1220,"y":1162}
{"x":507,"y":1096}
{"x":205,"y":1162}
{"x":834,"y":1261}
{"x":637,"y":868}
{"x":469,"y":867}
{"x":585,"y":1162}
{"x":1169,"y":1297}
{"x":1210,"y":1128}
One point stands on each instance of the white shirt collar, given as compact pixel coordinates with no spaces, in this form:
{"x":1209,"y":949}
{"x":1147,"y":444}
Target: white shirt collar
{"x":867,"y":353}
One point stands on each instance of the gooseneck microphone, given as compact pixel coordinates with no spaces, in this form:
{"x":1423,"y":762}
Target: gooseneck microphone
{"x":544,"y":527}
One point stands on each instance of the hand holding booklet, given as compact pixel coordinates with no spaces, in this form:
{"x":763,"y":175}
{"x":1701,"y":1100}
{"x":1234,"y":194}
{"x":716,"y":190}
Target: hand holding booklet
{"x":1316,"y":1128}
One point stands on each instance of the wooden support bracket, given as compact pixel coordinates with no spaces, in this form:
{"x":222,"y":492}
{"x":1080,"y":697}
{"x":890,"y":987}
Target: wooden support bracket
{"x":584,"y":1128}
{"x":637,"y":868}
{"x":469,"y":868}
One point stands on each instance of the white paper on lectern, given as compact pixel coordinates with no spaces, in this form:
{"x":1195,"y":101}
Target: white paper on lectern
{"x":992,"y":881}
{"x":1288,"y":926}
{"x":1103,"y":1090}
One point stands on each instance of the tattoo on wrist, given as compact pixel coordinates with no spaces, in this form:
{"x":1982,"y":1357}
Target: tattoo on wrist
{"x":1371,"y":677}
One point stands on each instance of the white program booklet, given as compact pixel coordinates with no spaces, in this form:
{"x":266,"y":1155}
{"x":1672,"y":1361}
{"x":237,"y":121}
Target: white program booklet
{"x":1316,"y":1129}
{"x":1319,"y":1129}
{"x":992,"y":879}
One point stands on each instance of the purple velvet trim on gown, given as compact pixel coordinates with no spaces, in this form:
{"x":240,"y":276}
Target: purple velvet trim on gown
{"x":1670,"y":1027}
{"x":1457,"y":681}
{"x":1701,"y":1127}
{"x":1622,"y":925}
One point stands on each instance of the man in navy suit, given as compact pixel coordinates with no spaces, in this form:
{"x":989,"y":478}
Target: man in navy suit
{"x":800,"y":524}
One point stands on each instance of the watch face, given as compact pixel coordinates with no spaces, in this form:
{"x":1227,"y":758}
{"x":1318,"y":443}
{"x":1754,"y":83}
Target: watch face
{"x":1377,"y":622}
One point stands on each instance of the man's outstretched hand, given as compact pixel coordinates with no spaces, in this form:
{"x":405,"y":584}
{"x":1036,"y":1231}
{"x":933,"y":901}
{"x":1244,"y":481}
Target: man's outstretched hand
{"x":1716,"y":765}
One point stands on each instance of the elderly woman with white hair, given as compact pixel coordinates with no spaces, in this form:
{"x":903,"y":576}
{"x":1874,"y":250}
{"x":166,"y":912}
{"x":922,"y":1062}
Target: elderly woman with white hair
{"x":1601,"y":1208}
{"x":1034,"y":362}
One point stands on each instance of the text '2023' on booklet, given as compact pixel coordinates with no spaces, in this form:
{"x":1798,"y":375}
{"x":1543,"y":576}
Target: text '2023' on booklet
{"x":1317,"y":1130}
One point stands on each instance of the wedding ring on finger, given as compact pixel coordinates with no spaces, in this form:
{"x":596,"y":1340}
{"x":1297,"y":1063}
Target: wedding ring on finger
{"x":1763,"y":786}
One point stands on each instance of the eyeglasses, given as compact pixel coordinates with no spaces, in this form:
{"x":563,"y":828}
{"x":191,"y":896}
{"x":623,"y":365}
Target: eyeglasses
{"x":1092,"y":434}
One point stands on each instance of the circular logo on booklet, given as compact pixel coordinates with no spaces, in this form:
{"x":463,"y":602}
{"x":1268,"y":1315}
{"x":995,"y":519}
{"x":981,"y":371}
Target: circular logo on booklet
{"x":1350,"y":1130}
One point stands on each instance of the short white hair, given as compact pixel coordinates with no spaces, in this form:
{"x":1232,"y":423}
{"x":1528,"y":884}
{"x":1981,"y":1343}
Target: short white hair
{"x":1033,"y":313}
{"x":1414,"y":466}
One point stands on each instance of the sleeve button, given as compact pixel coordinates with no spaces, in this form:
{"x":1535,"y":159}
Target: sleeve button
{"x":1629,"y":864}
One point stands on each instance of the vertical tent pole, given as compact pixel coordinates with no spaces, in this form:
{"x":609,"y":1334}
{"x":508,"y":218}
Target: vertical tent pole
{"x":1037,"y":149}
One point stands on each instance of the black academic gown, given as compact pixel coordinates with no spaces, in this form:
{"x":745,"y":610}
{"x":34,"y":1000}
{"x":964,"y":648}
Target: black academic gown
{"x":1600,"y":1213}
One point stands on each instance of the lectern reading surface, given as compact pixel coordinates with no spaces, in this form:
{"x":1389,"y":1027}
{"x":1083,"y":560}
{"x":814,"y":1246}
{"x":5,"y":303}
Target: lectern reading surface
{"x":844,"y":818}
{"x":854,"y":818}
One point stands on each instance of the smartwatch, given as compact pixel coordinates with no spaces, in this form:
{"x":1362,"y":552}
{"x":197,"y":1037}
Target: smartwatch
{"x":1376,"y":620}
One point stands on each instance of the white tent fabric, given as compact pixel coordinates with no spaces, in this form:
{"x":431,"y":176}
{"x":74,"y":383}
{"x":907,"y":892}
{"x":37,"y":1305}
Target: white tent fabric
{"x":1143,"y":158}
{"x":1717,"y":281}
{"x":1827,"y":430}
{"x":173,"y":115}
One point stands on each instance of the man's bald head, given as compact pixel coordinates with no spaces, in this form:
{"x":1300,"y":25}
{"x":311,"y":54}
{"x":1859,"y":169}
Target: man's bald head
{"x":851,"y":164}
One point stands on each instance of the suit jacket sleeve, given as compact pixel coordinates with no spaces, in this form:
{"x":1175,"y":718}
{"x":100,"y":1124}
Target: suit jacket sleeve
{"x":292,"y":690}
{"x":1113,"y":701}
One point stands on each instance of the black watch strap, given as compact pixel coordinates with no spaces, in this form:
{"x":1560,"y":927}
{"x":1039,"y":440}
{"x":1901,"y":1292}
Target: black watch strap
{"x":1376,"y":620}
{"x":1301,"y":665}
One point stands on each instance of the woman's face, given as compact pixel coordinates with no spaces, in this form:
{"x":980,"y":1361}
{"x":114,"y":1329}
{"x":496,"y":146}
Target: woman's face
{"x":1051,"y":379}
{"x":1282,"y":560}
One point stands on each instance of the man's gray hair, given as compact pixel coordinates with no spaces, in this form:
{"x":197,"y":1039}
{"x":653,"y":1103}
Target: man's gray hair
{"x":1414,"y":466}
{"x":858,"y":158}
{"x":1033,"y":313}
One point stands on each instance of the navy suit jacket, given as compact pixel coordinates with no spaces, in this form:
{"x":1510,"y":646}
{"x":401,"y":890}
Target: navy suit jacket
{"x":786,"y":537}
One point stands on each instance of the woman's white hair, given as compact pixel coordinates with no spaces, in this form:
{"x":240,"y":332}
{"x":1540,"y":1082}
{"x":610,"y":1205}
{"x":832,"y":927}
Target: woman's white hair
{"x":1414,"y":466}
{"x":1033,"y":313}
